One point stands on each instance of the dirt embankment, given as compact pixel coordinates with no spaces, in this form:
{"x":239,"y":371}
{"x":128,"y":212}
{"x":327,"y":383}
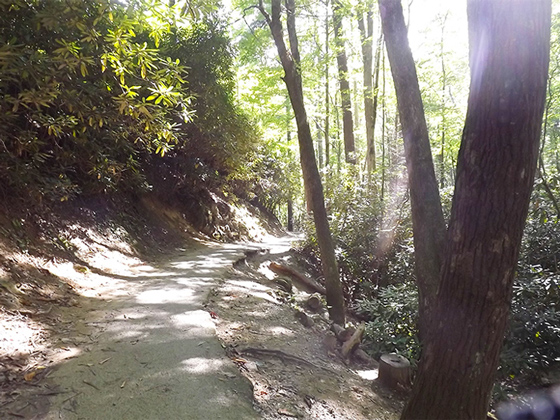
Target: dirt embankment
{"x":55,"y":262}
{"x":281,"y":340}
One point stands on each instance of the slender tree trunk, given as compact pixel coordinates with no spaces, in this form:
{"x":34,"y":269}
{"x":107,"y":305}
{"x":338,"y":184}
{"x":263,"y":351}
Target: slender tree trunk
{"x":371,"y":147}
{"x":290,"y":215}
{"x":547,"y":189}
{"x":319,"y":145}
{"x":394,"y":150}
{"x":291,"y":197}
{"x":338,"y":141}
{"x":356,"y":112}
{"x":383,"y":143}
{"x":427,"y":216}
{"x":311,"y":178}
{"x":541,"y":170}
{"x":366,"y":34}
{"x":342,"y":61}
{"x":509,"y":60}
{"x":443,"y":104}
{"x":327,"y":94}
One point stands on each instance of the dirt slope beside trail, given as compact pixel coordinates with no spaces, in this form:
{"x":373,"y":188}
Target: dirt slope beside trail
{"x":148,"y":350}
{"x":296,"y":369}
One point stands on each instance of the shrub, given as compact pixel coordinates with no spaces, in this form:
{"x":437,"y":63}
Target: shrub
{"x":393,"y":314}
{"x":94,"y":94}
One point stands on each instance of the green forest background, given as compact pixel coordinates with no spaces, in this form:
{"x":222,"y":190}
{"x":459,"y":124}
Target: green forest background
{"x":179,"y":99}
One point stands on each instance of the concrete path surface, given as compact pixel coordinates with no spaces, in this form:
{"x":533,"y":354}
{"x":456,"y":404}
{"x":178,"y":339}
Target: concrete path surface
{"x":148,"y":351}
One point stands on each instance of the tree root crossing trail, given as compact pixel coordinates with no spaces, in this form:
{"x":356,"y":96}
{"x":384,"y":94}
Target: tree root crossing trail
{"x":146,"y":347}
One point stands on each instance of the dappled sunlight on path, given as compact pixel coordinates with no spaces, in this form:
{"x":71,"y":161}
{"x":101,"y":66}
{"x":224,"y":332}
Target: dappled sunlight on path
{"x":150,"y":351}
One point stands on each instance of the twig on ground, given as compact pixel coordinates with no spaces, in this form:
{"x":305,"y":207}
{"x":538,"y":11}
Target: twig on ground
{"x":282,"y":355}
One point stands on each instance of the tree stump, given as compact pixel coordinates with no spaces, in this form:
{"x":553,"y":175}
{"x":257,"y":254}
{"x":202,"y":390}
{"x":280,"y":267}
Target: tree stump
{"x":314,"y":302}
{"x":395,"y":371}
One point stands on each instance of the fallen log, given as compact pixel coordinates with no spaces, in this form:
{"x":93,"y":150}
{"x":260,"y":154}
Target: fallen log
{"x":354,"y":340}
{"x":284,"y":270}
{"x":362,"y":357}
{"x":342,"y":334}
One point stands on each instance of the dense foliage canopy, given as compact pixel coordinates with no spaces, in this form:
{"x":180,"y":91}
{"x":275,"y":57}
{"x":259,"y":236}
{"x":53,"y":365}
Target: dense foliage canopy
{"x":100,"y":97}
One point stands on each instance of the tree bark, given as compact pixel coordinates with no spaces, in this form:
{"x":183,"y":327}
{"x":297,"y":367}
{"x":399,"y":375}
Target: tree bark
{"x":327,"y":94}
{"x":443,"y":104}
{"x":290,"y":215}
{"x":509,"y":53}
{"x":311,"y":177}
{"x":541,"y":170}
{"x":371,"y":157}
{"x":383,"y":142}
{"x":342,"y":61}
{"x":366,"y":34}
{"x":427,"y":216}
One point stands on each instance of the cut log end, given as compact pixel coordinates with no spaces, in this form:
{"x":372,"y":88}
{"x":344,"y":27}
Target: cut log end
{"x":314,"y":302}
{"x":395,"y":371}
{"x":300,"y":278}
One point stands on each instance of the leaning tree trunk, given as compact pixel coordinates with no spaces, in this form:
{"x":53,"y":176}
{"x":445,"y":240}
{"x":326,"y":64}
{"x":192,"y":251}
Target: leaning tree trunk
{"x":509,"y":61}
{"x":311,"y":177}
{"x":342,"y":61}
{"x":427,"y":216}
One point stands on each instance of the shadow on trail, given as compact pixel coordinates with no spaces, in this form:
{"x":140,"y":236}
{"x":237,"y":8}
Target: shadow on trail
{"x":150,"y":351}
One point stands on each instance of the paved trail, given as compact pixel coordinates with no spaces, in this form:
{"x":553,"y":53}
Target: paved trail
{"x":148,"y":350}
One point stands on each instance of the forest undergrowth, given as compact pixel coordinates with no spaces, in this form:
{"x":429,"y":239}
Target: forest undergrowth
{"x":375,"y":254}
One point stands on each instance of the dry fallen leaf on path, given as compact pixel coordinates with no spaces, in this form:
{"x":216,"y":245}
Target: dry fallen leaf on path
{"x":287,"y":413}
{"x":123,"y":384}
{"x":29,"y":376}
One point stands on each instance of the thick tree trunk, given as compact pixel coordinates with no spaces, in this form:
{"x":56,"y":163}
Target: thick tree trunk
{"x":311,"y":177}
{"x":509,"y":60}
{"x":366,"y":34}
{"x":342,"y":61}
{"x":427,"y":216}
